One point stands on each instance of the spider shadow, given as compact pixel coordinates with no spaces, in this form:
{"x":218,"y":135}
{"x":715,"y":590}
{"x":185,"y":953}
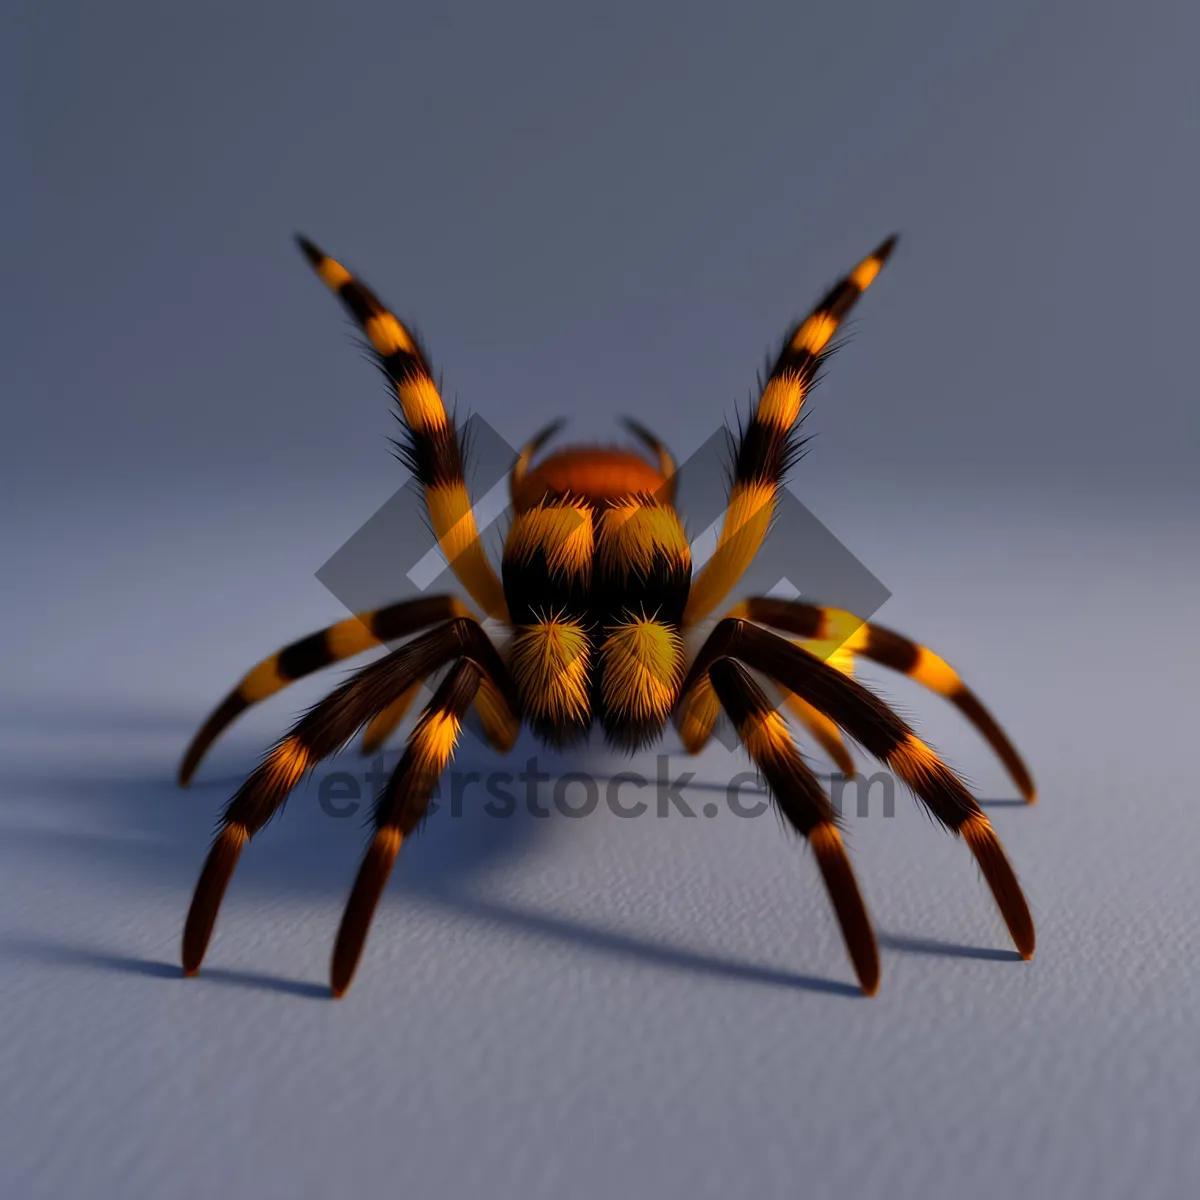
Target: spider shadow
{"x":144,"y":826}
{"x":618,"y":944}
{"x":86,"y":957}
{"x":908,"y":944}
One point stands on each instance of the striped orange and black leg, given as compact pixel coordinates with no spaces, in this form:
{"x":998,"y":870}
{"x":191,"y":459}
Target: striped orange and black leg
{"x":697,"y":711}
{"x":380,"y":728}
{"x":335,"y":644}
{"x":322,"y":731}
{"x":500,"y":724}
{"x":887,"y":737}
{"x":804,"y":805}
{"x":824,"y":732}
{"x":432,"y":450}
{"x":400,"y":809}
{"x":892,"y":650}
{"x":767,"y":445}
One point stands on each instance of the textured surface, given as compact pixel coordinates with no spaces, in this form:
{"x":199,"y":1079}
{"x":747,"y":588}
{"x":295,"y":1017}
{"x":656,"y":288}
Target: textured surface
{"x":607,"y":1007}
{"x":593,"y":210}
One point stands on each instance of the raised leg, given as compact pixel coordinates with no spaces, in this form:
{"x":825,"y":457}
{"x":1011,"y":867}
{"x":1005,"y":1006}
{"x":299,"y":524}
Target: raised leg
{"x":767,"y":446}
{"x":432,"y":450}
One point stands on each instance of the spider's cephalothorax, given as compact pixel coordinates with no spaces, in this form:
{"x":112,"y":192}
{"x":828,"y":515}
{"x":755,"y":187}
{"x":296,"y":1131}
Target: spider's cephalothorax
{"x":596,"y":591}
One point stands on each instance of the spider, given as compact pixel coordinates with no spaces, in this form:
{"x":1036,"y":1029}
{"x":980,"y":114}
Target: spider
{"x":595,"y":593}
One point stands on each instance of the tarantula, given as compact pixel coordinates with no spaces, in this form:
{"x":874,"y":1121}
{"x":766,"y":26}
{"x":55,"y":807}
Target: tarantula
{"x":596,"y":591}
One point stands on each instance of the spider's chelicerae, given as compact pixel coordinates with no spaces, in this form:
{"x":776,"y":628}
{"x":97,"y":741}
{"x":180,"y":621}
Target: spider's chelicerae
{"x":596,"y":591}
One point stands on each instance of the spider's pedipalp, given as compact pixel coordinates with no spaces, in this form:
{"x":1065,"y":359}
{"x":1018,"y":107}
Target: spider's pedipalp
{"x":520,"y":468}
{"x":766,"y":445}
{"x":399,"y":810}
{"x":322,"y":731}
{"x":800,"y":798}
{"x":666,"y":460}
{"x":850,"y":634}
{"x":344,"y":640}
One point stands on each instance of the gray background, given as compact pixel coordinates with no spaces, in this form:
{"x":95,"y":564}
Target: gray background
{"x":591,"y":211}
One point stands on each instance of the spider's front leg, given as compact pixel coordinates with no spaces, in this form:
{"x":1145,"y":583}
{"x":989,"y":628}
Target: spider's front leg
{"x":800,"y":798}
{"x":499,"y":722}
{"x":400,"y":808}
{"x":888,"y":738}
{"x":322,"y":731}
{"x":696,"y":716}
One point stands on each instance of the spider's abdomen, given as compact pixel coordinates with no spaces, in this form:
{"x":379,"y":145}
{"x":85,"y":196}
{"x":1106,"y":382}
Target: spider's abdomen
{"x":596,"y":593}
